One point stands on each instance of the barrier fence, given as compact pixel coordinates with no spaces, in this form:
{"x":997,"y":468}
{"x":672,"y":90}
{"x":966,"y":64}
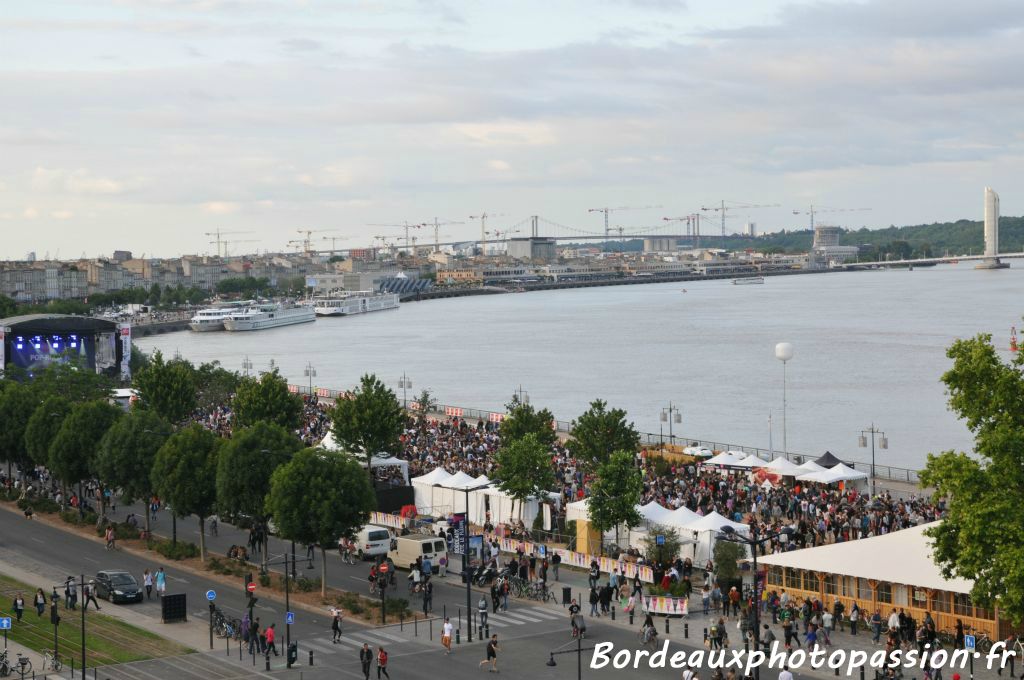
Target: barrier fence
{"x":882,"y":472}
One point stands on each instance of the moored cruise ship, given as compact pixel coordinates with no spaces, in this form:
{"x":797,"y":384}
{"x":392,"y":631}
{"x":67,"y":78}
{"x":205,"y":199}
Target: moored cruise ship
{"x":212,"y":318}
{"x":268,"y":315}
{"x":355,"y":302}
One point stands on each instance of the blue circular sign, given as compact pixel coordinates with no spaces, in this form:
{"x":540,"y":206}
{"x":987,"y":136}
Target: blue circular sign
{"x":211,"y":595}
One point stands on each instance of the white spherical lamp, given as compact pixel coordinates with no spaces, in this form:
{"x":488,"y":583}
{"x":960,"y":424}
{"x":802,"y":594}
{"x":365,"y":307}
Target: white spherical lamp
{"x":784,"y":351}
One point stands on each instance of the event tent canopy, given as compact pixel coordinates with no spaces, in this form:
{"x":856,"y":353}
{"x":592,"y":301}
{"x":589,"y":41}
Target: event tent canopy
{"x":840,"y":473}
{"x":724,"y":459}
{"x":435,"y":476}
{"x":810,"y":466}
{"x":903,"y":557}
{"x":681,"y":518}
{"x":460,"y":480}
{"x":715,"y":522}
{"x":654,"y":512}
{"x":785,"y":467}
{"x":329,"y":443}
{"x":828,"y":460}
{"x":750,"y":461}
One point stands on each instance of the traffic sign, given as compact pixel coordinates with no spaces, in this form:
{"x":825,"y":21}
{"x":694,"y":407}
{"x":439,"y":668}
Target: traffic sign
{"x":384,"y":567}
{"x":251,"y":587}
{"x":5,"y":622}
{"x":968,"y":641}
{"x":289,"y":618}
{"x":211,"y":595}
{"x":660,"y":539}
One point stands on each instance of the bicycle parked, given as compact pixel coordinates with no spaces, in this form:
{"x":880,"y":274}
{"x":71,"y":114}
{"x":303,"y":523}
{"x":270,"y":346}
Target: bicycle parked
{"x":51,"y":662}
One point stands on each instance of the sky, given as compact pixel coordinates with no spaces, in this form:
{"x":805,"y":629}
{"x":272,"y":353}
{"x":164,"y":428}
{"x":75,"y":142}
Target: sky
{"x":148,"y":124}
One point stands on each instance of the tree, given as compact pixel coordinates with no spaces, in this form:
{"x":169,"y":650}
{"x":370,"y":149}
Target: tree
{"x":425,"y":405}
{"x":17,"y":404}
{"x":43,"y":426}
{"x":727,"y":554}
{"x":127,"y":453}
{"x":72,"y":379}
{"x":268,"y":399}
{"x":184,"y":474}
{"x":318,"y":497}
{"x":598,"y":432}
{"x":73,"y":450}
{"x":154,"y":294}
{"x":244,"y":468}
{"x":522,"y":419}
{"x":8,"y":307}
{"x":671,"y":549}
{"x":215,"y":385}
{"x":615,"y":493}
{"x":370,"y":422}
{"x":984,"y":492}
{"x":168,"y":388}
{"x":524,"y":466}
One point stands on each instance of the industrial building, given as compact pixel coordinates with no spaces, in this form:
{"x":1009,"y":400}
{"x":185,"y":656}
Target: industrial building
{"x":533,"y":248}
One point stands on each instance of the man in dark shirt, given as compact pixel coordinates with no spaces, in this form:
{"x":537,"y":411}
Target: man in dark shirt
{"x":492,"y":654}
{"x":366,"y":658}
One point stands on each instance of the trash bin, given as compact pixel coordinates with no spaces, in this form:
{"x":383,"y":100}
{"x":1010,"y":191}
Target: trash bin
{"x":293,"y":653}
{"x":566,"y":595}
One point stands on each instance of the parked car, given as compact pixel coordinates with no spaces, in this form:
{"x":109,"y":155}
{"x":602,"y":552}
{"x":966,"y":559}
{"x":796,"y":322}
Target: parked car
{"x":118,"y":586}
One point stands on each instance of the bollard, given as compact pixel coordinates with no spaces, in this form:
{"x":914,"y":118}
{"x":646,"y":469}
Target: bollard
{"x":415,"y":627}
{"x":746,"y":646}
{"x":862,"y":673}
{"x":686,"y":631}
{"x":666,"y":625}
{"x":93,"y":674}
{"x":460,"y":618}
{"x":311,"y":657}
{"x":227,"y":646}
{"x":401,"y":622}
{"x":488,"y":630}
{"x":837,"y":672}
{"x":631,"y":617}
{"x":480,"y":633}
{"x":430,"y":628}
{"x":613,"y":612}
{"x":268,"y":663}
{"x":705,"y":633}
{"x":458,"y":632}
{"x":239,"y":650}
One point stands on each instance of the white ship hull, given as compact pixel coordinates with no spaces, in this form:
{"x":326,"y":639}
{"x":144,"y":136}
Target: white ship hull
{"x":356,"y":305}
{"x":269,"y":319}
{"x":204,"y":326}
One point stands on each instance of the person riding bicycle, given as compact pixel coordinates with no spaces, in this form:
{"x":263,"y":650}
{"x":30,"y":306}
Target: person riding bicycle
{"x":574,"y":610}
{"x":373,"y":577}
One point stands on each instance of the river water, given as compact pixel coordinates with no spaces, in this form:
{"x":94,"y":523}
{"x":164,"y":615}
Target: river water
{"x":869,"y":347}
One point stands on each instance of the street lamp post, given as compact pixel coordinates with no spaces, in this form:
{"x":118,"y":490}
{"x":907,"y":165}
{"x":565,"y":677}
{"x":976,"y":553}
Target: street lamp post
{"x":465,"y":559}
{"x":246,"y":365}
{"x":406,"y":384}
{"x":524,"y":396}
{"x":287,"y":608}
{"x":883,"y":443}
{"x":784,"y":352}
{"x":310,"y":373}
{"x":671,"y":414}
{"x":579,"y":656}
{"x":755,"y":541}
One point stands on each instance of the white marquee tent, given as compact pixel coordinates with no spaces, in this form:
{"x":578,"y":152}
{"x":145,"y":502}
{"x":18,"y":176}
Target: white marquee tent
{"x":839,"y":473}
{"x":750,"y":461}
{"x":329,"y":443}
{"x":654,"y":512}
{"x":785,"y":467}
{"x":724,"y":459}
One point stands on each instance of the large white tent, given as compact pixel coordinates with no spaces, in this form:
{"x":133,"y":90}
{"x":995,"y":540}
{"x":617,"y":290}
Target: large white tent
{"x":427,"y":496}
{"x":709,"y":527}
{"x":681,"y":518}
{"x":329,"y":443}
{"x":785,"y":467}
{"x":839,"y":473}
{"x":811,"y":466}
{"x":724,"y":459}
{"x":654,"y":512}
{"x":750,"y":461}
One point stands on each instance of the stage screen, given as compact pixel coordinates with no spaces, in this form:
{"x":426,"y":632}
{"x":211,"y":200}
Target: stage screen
{"x":35,"y":352}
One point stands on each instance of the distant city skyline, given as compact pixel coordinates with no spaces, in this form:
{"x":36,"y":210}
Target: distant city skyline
{"x":143,"y":124}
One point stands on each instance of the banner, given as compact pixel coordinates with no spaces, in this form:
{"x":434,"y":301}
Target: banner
{"x":126,"y":352}
{"x":387,"y":519}
{"x":3,"y":351}
{"x":459,"y":535}
{"x":660,"y":604}
{"x":574,"y":559}
{"x":547,"y":517}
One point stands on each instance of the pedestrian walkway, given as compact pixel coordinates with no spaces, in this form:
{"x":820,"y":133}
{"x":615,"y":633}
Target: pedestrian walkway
{"x":196,"y":666}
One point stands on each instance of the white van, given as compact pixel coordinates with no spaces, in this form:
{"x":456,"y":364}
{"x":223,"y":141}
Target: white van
{"x":373,"y":540}
{"x":405,"y":550}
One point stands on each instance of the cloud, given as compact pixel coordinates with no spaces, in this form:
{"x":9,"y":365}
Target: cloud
{"x":62,"y":214}
{"x":499,"y":165}
{"x":80,"y":181}
{"x":30,"y":213}
{"x":506,"y":133}
{"x":301,"y":45}
{"x":654,"y":5}
{"x":220,"y":208}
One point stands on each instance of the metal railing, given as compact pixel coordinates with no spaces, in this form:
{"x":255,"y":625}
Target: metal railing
{"x":882,"y":472}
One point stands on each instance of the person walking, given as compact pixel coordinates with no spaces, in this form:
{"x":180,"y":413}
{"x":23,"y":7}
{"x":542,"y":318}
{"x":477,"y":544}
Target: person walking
{"x":109,"y":536}
{"x":147,"y":580}
{"x":556,"y":560}
{"x":428,"y":598}
{"x":492,"y":654}
{"x":161,"y":582}
{"x":481,"y":608}
{"x":365,"y":659}
{"x":382,"y":663}
{"x":19,"y":606}
{"x":446,"y":636}
{"x":90,"y":595}
{"x":336,"y":627}
{"x":270,"y":640}
{"x":70,"y":593}
{"x":595,"y":599}
{"x":40,"y":602}
{"x":254,"y":636}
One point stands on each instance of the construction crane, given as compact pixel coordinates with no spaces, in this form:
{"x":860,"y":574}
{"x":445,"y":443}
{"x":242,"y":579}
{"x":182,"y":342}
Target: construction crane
{"x":308,"y":241}
{"x":611,"y":210}
{"x":334,"y":240}
{"x":692,"y":226}
{"x":404,"y":225}
{"x":724,"y":206}
{"x":298,"y":245}
{"x":236,"y":240}
{"x":437,"y":225}
{"x":814,"y":210}
{"x":483,"y":228}
{"x":218,"y":234}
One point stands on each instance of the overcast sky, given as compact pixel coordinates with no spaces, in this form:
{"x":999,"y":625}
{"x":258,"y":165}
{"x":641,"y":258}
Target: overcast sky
{"x":142,"y":124}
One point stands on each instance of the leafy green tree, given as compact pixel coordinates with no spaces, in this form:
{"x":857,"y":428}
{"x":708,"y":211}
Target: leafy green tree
{"x":73,"y":380}
{"x":8,"y":307}
{"x":267,"y":399}
{"x":73,"y":450}
{"x":17,"y":404}
{"x":184,"y":474}
{"x":43,"y":426}
{"x":370,"y":422}
{"x":984,"y":492}
{"x":525,"y":470}
{"x":244,"y":468}
{"x":168,"y":388}
{"x":127,"y":453}
{"x":671,"y":549}
{"x":727,"y":554}
{"x":598,"y":432}
{"x":522,"y":419}
{"x":215,"y":385}
{"x":154,"y":294}
{"x":615,"y":493}
{"x":318,"y":497}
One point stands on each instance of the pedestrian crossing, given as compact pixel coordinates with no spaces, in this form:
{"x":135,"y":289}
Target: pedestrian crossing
{"x":353,"y":639}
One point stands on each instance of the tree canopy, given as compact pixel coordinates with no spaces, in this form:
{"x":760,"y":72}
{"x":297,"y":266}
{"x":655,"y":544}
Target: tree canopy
{"x":524,"y":468}
{"x":245,"y":465}
{"x":977,"y":540}
{"x":17,"y":404}
{"x":616,"y":492}
{"x":127,"y":453}
{"x":184,"y":474}
{"x":215,"y":385}
{"x":71,"y":379}
{"x":43,"y":426}
{"x":598,"y":432}
{"x":168,"y":388}
{"x":522,"y":419}
{"x":371,"y":422}
{"x":73,"y":450}
{"x":267,"y":399}
{"x":318,"y":497}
